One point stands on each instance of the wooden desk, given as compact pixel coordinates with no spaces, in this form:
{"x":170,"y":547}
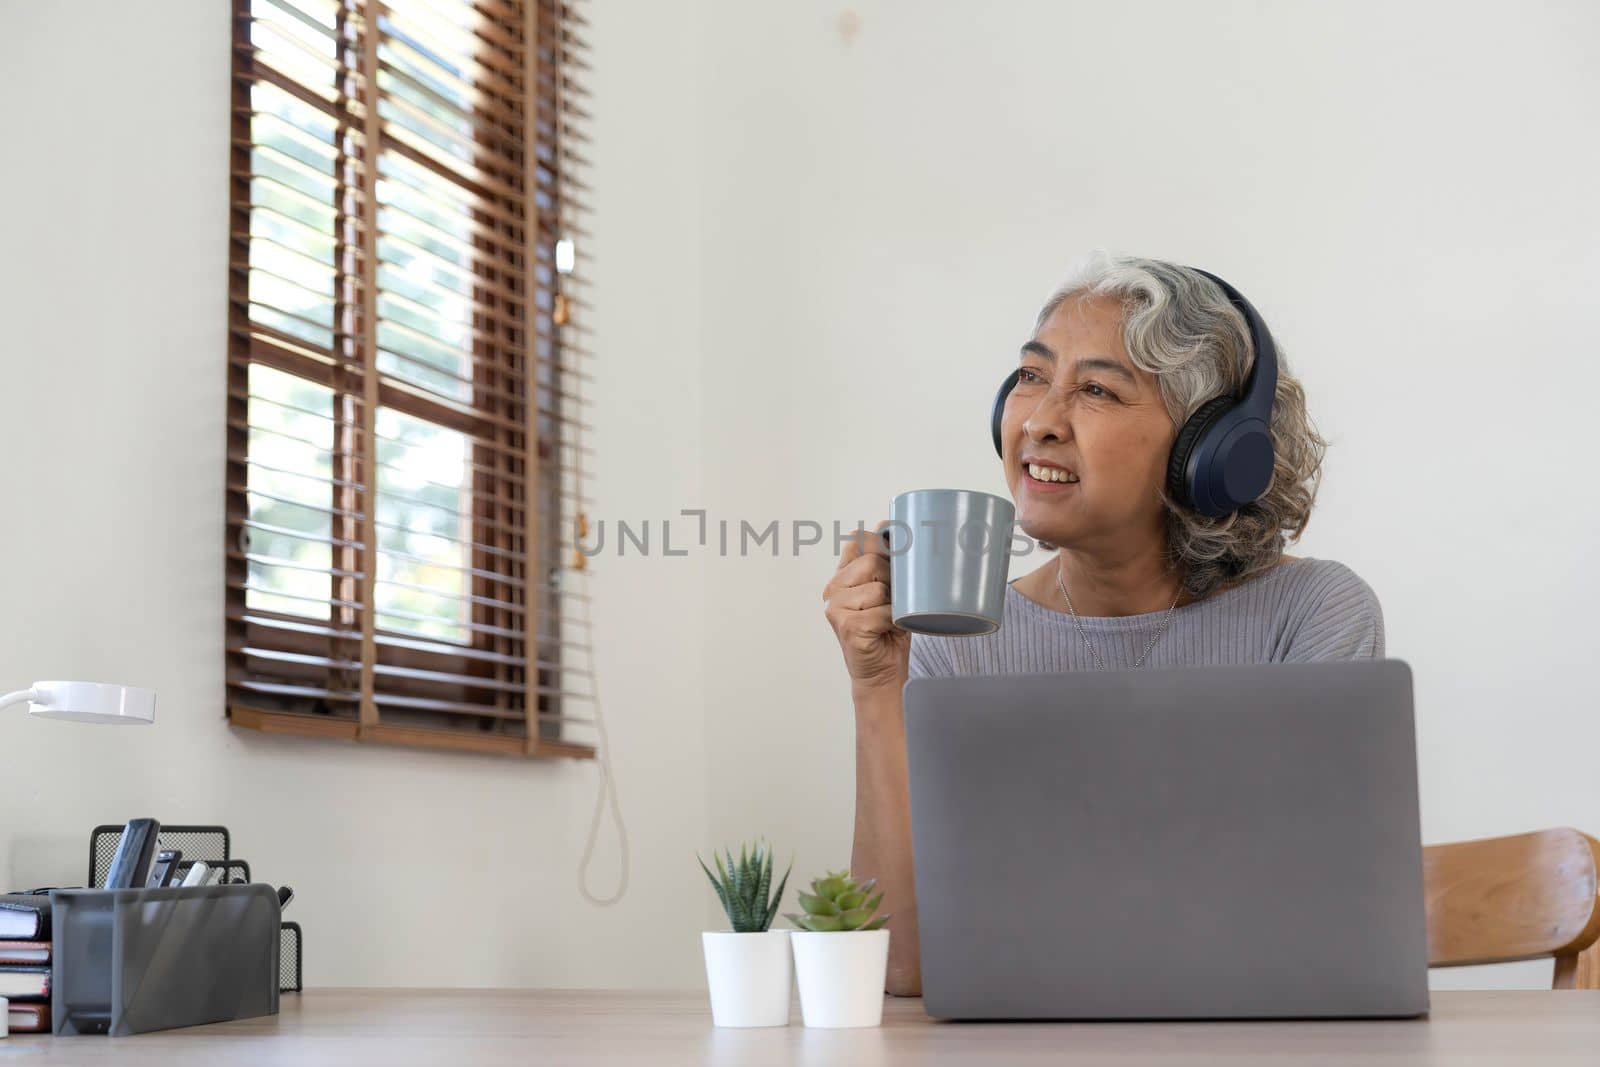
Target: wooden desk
{"x":463,"y":1027}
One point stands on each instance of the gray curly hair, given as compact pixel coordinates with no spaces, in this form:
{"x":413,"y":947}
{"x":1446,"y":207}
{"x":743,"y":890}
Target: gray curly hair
{"x":1179,"y":326}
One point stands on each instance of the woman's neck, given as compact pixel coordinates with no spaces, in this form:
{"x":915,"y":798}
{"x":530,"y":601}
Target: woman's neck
{"x":1106,"y":584}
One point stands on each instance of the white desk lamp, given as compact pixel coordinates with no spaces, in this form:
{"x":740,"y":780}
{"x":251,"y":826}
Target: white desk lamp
{"x":86,"y":702}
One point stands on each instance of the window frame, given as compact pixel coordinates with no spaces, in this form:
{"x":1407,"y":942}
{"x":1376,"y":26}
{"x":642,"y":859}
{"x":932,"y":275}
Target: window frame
{"x":525,"y":461}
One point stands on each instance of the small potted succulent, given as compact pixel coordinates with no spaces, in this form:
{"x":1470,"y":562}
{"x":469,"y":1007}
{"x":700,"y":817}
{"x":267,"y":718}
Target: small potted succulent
{"x":841,"y":952}
{"x":747,"y":969}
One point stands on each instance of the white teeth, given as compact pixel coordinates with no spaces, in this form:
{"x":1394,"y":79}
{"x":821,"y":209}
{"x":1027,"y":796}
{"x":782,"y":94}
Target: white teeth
{"x":1050,"y":474}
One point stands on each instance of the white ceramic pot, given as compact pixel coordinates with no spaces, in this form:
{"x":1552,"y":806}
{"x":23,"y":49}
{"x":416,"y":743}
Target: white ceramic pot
{"x":841,"y":976}
{"x":749,"y":977}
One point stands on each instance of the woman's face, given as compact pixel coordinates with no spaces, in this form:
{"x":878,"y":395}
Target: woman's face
{"x":1083,"y":411}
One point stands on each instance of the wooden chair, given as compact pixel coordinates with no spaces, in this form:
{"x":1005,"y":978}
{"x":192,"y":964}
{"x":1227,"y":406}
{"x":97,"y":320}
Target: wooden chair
{"x":1501,"y":899}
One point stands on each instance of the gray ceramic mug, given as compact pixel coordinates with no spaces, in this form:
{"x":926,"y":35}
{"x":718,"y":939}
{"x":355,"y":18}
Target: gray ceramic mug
{"x":949,"y":550}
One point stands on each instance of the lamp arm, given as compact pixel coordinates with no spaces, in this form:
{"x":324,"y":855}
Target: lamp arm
{"x":21,"y":696}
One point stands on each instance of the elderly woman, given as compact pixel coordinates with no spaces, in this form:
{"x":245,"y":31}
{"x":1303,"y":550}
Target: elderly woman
{"x":1120,"y":357}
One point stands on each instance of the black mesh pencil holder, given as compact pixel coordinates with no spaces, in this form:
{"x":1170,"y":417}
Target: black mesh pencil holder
{"x":213,"y":846}
{"x":209,"y":844}
{"x":289,"y":958}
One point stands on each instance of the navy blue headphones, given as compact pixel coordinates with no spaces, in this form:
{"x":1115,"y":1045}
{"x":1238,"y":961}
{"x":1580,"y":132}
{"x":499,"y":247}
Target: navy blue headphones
{"x":1222,"y":457}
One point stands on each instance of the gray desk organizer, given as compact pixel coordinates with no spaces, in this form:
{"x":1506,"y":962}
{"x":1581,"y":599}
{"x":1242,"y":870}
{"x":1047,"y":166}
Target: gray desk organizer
{"x":127,"y":961}
{"x":214,"y":845}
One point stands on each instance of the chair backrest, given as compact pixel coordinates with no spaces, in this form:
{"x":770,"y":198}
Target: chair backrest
{"x":1501,"y":899}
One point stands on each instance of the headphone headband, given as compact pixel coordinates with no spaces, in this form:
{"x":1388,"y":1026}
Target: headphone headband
{"x":1261,"y":385}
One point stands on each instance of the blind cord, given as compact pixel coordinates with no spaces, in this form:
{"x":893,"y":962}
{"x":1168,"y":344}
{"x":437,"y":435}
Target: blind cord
{"x":607,"y":790}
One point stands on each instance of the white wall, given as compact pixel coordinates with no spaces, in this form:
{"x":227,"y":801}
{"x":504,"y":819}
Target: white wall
{"x":411,"y":868}
{"x":1406,"y":190}
{"x":815,"y":258}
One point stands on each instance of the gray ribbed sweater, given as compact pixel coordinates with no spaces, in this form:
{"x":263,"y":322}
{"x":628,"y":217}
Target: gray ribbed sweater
{"x":1305,"y":609}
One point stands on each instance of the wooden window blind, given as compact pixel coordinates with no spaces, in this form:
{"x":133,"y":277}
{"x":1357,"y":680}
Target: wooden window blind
{"x":406,"y":378}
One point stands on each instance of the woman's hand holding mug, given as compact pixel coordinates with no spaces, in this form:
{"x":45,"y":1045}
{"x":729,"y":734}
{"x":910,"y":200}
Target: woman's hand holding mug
{"x":949,"y":580}
{"x":877,"y":653}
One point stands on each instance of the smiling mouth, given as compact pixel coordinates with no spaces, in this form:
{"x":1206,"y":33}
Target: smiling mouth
{"x":1050,"y":475}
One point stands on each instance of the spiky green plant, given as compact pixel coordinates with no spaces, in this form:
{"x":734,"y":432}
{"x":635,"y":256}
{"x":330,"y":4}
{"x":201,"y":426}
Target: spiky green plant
{"x":743,"y":887}
{"x":837,"y":902}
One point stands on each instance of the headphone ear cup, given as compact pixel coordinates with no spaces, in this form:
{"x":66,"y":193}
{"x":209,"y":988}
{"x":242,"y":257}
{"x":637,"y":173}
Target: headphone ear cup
{"x":999,"y":410}
{"x":1203,"y":419}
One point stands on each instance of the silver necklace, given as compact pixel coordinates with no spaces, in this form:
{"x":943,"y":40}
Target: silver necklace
{"x":1100,"y":663}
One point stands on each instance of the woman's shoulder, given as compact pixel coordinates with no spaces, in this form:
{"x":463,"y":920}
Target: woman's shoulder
{"x":1336,"y":614}
{"x":1291,"y":585}
{"x":1314,"y":581}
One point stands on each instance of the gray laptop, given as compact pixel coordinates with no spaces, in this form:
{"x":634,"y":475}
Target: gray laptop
{"x":1210,"y":842}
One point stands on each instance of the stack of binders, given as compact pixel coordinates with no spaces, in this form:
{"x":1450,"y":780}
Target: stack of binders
{"x":25,"y":961}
